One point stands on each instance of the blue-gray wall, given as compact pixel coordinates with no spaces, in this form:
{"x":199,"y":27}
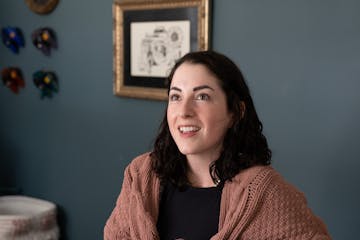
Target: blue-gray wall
{"x":302,"y":62}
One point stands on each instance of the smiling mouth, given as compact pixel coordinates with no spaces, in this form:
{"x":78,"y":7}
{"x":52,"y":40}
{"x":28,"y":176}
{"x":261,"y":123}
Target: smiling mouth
{"x":188,"y":129}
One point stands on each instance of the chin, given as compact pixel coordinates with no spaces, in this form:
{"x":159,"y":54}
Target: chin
{"x":186,"y":151}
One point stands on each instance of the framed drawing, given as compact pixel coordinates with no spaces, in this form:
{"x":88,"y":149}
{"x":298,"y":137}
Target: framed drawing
{"x":149,"y":36}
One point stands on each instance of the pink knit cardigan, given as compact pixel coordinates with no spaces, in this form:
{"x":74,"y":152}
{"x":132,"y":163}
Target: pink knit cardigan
{"x":256,"y":205}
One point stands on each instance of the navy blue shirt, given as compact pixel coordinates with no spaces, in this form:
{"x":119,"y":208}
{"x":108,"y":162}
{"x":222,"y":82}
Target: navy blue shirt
{"x":189,"y":214}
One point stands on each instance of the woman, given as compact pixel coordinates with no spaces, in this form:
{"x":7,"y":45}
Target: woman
{"x":208,"y":176}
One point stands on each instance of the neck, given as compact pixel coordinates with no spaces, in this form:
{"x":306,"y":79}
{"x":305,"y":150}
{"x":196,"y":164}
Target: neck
{"x":199,"y":172}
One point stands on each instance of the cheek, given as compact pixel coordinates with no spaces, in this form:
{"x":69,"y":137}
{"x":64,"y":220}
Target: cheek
{"x":222,"y":123}
{"x":169,"y":115}
{"x":170,"y":119}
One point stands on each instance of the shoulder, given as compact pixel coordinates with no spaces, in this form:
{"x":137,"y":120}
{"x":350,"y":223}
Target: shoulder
{"x":270,"y":193}
{"x":265,"y":192}
{"x":261,"y":179}
{"x":265,"y":184}
{"x":140,"y":175}
{"x":253,"y":174}
{"x":140,"y":170}
{"x":141,"y":163}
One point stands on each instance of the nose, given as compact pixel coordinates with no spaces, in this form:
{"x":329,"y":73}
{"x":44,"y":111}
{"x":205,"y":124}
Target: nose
{"x":186,"y":109}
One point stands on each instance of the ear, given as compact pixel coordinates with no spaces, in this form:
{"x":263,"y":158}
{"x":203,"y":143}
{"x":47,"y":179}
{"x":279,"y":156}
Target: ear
{"x":242,"y":109}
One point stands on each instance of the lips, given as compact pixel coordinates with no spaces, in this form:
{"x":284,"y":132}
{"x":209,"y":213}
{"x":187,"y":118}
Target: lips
{"x":188,"y":129}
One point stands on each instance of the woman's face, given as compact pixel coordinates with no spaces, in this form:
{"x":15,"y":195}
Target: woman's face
{"x":197,"y":112}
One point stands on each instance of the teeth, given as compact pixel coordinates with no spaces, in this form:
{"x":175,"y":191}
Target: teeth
{"x":188,"y":129}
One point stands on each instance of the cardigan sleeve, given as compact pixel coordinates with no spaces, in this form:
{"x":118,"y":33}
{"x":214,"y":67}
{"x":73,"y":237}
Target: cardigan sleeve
{"x":117,"y":226}
{"x":282,"y":213}
{"x":135,"y":213}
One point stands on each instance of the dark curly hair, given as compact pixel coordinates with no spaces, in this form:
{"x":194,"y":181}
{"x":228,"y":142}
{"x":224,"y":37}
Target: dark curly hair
{"x":244,"y":143}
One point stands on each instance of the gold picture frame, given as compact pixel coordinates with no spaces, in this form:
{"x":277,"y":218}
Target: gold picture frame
{"x":149,"y":36}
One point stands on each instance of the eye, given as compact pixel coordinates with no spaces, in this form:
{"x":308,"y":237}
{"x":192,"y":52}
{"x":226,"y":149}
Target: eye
{"x":203,"y":97}
{"x":174,"y":97}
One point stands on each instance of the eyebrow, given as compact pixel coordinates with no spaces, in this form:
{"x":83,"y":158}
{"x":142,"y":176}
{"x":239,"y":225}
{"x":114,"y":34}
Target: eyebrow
{"x":194,"y":89}
{"x":202,"y":87}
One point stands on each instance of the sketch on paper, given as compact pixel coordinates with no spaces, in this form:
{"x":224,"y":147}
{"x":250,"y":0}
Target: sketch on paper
{"x":155,"y":46}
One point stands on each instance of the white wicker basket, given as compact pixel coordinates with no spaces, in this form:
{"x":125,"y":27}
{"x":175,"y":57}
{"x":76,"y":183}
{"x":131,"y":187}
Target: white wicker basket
{"x":26,"y":218}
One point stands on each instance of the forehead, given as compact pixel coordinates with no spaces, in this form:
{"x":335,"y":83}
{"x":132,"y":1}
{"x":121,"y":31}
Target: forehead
{"x":190,"y":74}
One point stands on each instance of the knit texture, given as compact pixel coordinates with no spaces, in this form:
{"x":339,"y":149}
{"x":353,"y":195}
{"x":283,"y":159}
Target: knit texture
{"x":256,"y":205}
